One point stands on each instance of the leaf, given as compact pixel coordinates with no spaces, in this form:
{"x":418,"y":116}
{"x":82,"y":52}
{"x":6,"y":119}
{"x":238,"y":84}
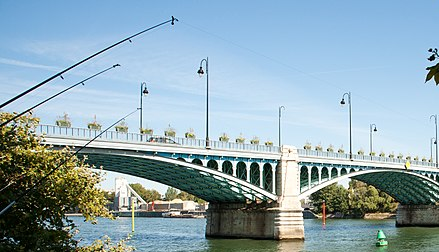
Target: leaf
{"x":433,"y":71}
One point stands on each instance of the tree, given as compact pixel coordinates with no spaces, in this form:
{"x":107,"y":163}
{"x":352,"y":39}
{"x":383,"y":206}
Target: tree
{"x":358,"y":200}
{"x":109,"y":196}
{"x":335,"y":196}
{"x":45,"y":184}
{"x":171,"y":194}
{"x":186,"y":196}
{"x":152,"y":195}
{"x":367,"y":199}
{"x":146,"y":194}
{"x":433,"y":71}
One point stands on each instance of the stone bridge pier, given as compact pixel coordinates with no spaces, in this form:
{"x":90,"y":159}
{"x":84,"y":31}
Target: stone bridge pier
{"x":280,"y":220}
{"x":417,"y":216}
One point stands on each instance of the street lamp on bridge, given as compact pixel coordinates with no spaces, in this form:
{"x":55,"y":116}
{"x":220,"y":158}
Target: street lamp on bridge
{"x":201,"y":73}
{"x":143,"y":92}
{"x":431,"y":148}
{"x":373,"y":128}
{"x":350,"y":120}
{"x":280,"y":115}
{"x":435,"y":141}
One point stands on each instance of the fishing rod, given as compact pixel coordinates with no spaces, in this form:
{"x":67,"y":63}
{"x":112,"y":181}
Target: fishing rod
{"x":172,"y":20}
{"x":42,"y":180}
{"x":53,"y":96}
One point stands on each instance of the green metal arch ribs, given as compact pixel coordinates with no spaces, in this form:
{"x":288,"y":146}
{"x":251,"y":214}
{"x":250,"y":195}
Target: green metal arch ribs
{"x":408,"y":187}
{"x":205,"y":183}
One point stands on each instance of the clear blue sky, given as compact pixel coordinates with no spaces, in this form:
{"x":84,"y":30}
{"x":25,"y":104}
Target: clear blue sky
{"x":262,"y":54}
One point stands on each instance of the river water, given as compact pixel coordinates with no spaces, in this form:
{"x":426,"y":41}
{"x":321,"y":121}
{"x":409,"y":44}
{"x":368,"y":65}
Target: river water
{"x":171,"y":235}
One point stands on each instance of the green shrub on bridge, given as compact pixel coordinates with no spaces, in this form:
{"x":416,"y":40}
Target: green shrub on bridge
{"x":64,"y":121}
{"x":224,"y":138}
{"x":122,"y":127}
{"x":170,"y":132}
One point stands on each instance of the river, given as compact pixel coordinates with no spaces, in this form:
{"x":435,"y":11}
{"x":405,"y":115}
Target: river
{"x":171,"y":235}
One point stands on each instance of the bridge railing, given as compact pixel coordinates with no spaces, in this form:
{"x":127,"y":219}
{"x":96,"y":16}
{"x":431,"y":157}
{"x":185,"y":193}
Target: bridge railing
{"x":83,"y":133}
{"x":327,"y":154}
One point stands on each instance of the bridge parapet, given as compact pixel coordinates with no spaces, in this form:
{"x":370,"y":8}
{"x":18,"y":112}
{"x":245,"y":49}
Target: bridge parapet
{"x":377,"y":159}
{"x":84,"y":133}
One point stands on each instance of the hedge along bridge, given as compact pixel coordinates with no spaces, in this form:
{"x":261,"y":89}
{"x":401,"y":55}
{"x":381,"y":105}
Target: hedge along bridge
{"x":254,"y":191}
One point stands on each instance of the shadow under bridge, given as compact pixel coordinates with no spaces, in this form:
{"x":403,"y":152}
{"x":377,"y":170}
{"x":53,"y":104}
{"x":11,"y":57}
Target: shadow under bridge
{"x":210,"y":185}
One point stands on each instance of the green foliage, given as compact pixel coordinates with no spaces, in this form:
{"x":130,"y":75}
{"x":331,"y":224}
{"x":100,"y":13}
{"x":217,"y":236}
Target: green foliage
{"x":190,"y":134}
{"x":224,"y":137}
{"x":240,"y":139}
{"x":106,"y":245}
{"x":38,"y":221}
{"x":255,"y":140}
{"x":146,"y":194}
{"x":335,"y":196}
{"x":186,"y":196}
{"x":64,"y":121}
{"x":122,"y":127}
{"x":171,"y":194}
{"x":109,"y":196}
{"x":330,"y":148}
{"x":359,"y":199}
{"x":433,"y":71}
{"x":170,"y":132}
{"x":367,"y":199}
{"x":146,"y":131}
{"x":307,"y":146}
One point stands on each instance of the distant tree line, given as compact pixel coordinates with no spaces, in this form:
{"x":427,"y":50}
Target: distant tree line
{"x":355,"y":201}
{"x":150,"y":195}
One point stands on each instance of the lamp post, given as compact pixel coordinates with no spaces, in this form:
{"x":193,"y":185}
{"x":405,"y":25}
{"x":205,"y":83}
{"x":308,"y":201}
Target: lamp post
{"x":431,"y":148}
{"x":201,"y":73}
{"x":143,"y":92}
{"x":280,"y":115}
{"x":435,"y":141}
{"x":350,"y":120}
{"x":374,"y":127}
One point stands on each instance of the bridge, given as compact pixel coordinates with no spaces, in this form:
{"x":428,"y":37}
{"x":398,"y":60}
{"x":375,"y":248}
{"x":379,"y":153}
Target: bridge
{"x":254,"y":191}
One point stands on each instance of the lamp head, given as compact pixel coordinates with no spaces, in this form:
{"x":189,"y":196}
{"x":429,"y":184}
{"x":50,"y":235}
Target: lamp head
{"x":145,"y":91}
{"x":342,"y":102}
{"x":375,"y":129}
{"x":200,"y":71}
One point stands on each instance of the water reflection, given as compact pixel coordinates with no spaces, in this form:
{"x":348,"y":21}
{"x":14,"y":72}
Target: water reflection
{"x":247,"y":245}
{"x":289,"y":246}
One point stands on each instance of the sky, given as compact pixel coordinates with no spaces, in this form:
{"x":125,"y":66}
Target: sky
{"x":303,"y":55}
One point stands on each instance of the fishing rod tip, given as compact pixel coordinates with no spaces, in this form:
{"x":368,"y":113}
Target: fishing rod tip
{"x":116,"y":65}
{"x":173,"y":19}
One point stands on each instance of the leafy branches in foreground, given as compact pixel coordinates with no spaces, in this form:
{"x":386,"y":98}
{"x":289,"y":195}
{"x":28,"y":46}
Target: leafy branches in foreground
{"x":433,"y":71}
{"x":46,"y":184}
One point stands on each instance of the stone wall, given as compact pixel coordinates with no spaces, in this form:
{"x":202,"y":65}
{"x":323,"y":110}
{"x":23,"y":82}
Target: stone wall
{"x":420,"y":216}
{"x":240,"y":221}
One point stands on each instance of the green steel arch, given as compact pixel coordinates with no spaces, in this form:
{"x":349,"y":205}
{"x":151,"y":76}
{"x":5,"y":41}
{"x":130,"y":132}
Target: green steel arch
{"x":405,"y":186}
{"x":204,"y":182}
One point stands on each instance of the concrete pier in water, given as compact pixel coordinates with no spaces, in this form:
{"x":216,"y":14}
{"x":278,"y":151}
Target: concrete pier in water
{"x":281,"y":220}
{"x":417,"y":216}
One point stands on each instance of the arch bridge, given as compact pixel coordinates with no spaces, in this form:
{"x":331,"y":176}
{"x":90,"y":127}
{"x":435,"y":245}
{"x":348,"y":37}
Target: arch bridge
{"x":230,"y":176}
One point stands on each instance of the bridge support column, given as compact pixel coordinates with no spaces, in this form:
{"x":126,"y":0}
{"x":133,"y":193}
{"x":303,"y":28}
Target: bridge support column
{"x":281,"y":220}
{"x":289,"y":217}
{"x":417,"y":215}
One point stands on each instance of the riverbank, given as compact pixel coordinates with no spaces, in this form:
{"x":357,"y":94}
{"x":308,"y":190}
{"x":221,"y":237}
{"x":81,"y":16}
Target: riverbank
{"x":307,"y":214}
